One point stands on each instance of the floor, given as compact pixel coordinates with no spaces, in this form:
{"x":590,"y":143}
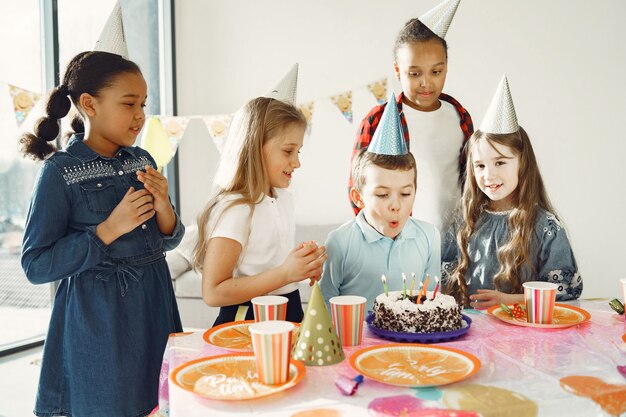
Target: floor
{"x":19,"y":374}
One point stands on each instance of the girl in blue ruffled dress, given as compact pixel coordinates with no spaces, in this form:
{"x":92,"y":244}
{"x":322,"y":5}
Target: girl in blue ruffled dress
{"x":507,"y":232}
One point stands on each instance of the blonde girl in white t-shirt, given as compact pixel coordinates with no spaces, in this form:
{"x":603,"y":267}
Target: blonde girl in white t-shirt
{"x":246,"y":232}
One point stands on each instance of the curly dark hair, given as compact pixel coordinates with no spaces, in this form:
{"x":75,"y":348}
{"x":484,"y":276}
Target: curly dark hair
{"x":416,"y":31}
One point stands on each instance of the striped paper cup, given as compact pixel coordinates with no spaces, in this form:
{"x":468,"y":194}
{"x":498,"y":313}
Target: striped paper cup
{"x":271,"y":342}
{"x":270,"y":307}
{"x":540,"y":297}
{"x":348,"y":313}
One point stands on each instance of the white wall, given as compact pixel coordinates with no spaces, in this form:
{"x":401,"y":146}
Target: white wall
{"x":565,"y":60}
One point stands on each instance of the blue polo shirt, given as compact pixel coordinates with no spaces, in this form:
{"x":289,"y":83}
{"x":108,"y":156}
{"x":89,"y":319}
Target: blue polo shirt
{"x":358,"y":255}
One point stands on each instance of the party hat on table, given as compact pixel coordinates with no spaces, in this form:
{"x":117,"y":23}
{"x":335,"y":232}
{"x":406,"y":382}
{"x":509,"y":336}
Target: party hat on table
{"x":317,"y":342}
{"x":287,"y":87}
{"x":438,"y":18}
{"x":112,"y":37}
{"x":388,"y":138}
{"x":500,"y":117}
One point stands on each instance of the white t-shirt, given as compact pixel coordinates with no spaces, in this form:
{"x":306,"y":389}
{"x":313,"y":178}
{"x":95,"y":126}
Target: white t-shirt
{"x":436,"y":141}
{"x":271,"y":233}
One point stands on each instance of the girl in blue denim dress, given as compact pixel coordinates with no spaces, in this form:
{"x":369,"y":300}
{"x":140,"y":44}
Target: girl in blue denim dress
{"x":99,"y":224}
{"x":507,"y":233}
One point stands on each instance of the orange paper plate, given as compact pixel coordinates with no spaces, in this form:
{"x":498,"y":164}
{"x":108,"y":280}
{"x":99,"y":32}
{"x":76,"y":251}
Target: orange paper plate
{"x":230,"y":377}
{"x":414,"y":365}
{"x":563,"y":316}
{"x":235,"y":336}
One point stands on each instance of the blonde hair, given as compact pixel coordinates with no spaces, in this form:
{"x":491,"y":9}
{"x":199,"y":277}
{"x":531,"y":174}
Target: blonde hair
{"x":529,"y":194}
{"x":242,"y":168}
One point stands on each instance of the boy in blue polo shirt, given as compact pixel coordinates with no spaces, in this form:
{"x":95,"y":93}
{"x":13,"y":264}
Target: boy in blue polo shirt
{"x":383,"y":238}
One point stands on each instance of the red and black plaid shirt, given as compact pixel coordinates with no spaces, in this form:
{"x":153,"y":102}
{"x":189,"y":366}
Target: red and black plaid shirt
{"x":370,"y":122}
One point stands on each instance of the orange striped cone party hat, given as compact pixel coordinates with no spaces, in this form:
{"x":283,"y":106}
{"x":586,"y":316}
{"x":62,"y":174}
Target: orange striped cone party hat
{"x":318,"y":343}
{"x":112,"y":37}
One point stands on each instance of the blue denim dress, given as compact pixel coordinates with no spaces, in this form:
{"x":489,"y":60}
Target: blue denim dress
{"x":115,"y":305}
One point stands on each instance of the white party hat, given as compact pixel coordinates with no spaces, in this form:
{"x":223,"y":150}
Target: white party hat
{"x":500,"y":117}
{"x":112,"y":37}
{"x":388,"y":138}
{"x":286,"y":88}
{"x":438,"y":19}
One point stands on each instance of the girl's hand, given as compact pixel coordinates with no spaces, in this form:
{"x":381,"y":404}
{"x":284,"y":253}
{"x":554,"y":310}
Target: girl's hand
{"x":484,"y":299}
{"x":305,"y":261}
{"x":135,"y":208}
{"x":157,"y":185}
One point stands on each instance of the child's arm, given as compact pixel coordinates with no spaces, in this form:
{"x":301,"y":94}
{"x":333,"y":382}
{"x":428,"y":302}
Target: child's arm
{"x":51,"y":249}
{"x":484,"y":299}
{"x":157,"y":185}
{"x":220,"y":288}
{"x":556,"y":262}
{"x":433,"y":267}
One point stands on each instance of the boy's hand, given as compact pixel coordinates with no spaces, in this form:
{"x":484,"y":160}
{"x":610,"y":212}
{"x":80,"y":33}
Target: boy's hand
{"x":305,"y":261}
{"x":157,"y":185}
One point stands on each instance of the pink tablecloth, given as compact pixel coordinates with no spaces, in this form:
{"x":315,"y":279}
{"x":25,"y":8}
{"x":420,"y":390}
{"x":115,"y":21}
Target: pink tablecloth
{"x":524,"y":372}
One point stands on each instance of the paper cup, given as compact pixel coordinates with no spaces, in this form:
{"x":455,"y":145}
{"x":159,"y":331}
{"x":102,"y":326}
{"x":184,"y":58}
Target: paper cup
{"x":348,"y":312}
{"x":540,"y":297}
{"x":270,"y":307}
{"x":271,"y":342}
{"x":623,"y":281}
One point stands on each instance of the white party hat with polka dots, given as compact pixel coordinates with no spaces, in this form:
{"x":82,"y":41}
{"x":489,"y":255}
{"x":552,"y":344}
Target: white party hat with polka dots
{"x":438,"y":18}
{"x":317,"y":343}
{"x":287,"y":87}
{"x":112,"y":37}
{"x":500,"y":117}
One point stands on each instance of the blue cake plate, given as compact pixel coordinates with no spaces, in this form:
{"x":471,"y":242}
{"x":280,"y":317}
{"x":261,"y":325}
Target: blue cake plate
{"x":419,"y":337}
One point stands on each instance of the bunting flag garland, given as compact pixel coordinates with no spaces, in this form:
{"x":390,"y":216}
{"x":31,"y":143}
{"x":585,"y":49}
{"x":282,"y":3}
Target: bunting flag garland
{"x":23,"y":102}
{"x":175,"y":127}
{"x":218,"y":126}
{"x":161,"y":135}
{"x":154,"y":139}
{"x":379,"y":90}
{"x":343,"y":102}
{"x":307,"y":110}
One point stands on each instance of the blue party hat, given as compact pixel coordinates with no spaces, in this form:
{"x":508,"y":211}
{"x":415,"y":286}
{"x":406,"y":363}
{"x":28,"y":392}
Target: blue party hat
{"x":389,"y":135}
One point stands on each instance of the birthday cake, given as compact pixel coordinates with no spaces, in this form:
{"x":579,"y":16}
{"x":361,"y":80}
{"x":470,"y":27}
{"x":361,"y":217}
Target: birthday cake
{"x":396,"y":313}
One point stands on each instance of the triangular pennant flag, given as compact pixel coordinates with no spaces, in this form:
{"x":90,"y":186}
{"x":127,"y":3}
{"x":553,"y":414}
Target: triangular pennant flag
{"x":218,"y":125}
{"x":155,"y":141}
{"x":23,"y":102}
{"x":307,"y":110}
{"x":438,"y":19}
{"x":175,"y":127}
{"x":112,"y":37}
{"x":287,"y":87}
{"x":317,"y":342}
{"x":500,"y":117}
{"x":379,"y":90}
{"x":343,"y":102}
{"x":388,"y":138}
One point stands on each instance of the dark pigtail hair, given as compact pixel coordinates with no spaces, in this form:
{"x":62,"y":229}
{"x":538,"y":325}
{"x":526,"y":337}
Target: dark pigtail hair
{"x":88,"y":72}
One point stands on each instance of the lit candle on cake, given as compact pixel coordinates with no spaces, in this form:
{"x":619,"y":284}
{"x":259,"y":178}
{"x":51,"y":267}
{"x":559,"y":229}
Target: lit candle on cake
{"x":384,"y":280}
{"x":403,"y":286}
{"x":419,"y":294}
{"x":412,"y":284}
{"x":436,"y":287}
{"x":425,"y":289}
